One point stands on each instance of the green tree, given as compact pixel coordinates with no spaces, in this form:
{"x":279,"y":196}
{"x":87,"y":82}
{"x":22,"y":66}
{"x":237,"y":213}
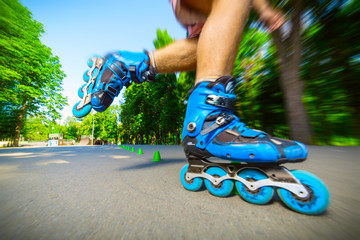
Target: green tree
{"x":289,"y":49}
{"x":106,"y":124}
{"x":30,"y":76}
{"x":331,"y":68}
{"x":153,"y":112}
{"x":71,"y":128}
{"x":307,"y":41}
{"x":35,"y":128}
{"x":260,"y":99}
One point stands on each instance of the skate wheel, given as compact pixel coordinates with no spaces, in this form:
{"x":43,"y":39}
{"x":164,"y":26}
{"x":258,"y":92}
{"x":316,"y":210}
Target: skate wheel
{"x":79,"y":113}
{"x":192,"y":185}
{"x":318,"y":200}
{"x":224,"y":188}
{"x":81,"y":93}
{"x":90,"y":61}
{"x":259,"y":196}
{"x":86,"y":76}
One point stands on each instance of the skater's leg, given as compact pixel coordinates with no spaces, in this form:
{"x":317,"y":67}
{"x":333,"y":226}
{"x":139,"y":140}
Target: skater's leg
{"x":271,"y":16}
{"x":202,"y":6}
{"x":220,"y":38}
{"x":214,"y":53}
{"x":210,"y":126}
{"x":176,"y":57}
{"x":226,"y":19}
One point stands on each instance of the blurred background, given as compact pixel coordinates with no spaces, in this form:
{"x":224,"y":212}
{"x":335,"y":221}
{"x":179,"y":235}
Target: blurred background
{"x":299,"y":82}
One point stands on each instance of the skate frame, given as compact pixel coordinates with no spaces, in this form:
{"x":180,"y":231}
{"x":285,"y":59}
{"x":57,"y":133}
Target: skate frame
{"x":278,"y":176}
{"x":97,"y":63}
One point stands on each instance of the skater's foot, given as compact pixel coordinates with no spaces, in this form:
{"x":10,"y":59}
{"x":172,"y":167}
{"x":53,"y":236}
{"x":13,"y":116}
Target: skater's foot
{"x":212,"y":129}
{"x":120,"y":69}
{"x":108,"y":75}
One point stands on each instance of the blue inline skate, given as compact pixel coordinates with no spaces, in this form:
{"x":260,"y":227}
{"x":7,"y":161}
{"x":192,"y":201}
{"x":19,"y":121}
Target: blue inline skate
{"x":107,"y":76}
{"x":248,"y":158}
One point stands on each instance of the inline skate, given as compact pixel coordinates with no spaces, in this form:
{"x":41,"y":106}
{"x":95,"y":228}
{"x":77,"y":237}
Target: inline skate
{"x":107,"y":76}
{"x":247,"y":158}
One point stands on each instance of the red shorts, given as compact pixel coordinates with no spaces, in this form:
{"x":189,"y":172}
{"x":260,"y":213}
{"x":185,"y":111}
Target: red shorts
{"x":193,"y":21}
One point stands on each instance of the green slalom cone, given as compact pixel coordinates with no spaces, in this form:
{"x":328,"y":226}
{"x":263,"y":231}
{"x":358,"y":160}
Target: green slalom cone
{"x":140,"y":152}
{"x":235,"y":191}
{"x":157,"y":157}
{"x":132,"y":149}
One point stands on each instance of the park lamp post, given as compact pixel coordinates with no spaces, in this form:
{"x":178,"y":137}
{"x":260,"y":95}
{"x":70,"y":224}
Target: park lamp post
{"x":92,"y":135}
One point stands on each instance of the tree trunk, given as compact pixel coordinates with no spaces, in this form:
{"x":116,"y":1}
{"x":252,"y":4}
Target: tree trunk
{"x":289,"y":51}
{"x":177,"y":140}
{"x":297,"y":116}
{"x":19,"y":124}
{"x":352,"y":89}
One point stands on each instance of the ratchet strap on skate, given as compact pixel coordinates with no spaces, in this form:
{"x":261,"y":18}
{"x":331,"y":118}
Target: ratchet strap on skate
{"x":220,"y":101}
{"x":222,"y":120}
{"x":116,"y":69}
{"x":132,"y":70}
{"x":112,"y":72}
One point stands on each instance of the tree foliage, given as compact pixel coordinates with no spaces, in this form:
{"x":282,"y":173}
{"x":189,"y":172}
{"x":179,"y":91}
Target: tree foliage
{"x":152,"y":112}
{"x":318,"y":50}
{"x":331,"y":68}
{"x":106,"y":125}
{"x":319,"y":55}
{"x":30,"y":76}
{"x":260,"y":100}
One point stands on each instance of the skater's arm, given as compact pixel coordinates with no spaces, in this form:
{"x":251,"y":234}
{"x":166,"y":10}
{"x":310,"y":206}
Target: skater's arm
{"x":260,"y":5}
{"x":271,"y":16}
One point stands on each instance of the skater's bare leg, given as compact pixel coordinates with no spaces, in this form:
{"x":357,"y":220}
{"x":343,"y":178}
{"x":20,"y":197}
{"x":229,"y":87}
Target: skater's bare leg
{"x":213,"y":55}
{"x":220,"y":38}
{"x":202,"y":6}
{"x":176,"y":57}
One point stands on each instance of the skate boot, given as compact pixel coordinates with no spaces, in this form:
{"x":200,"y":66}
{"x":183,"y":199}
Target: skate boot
{"x":107,"y":76}
{"x":212,"y":130}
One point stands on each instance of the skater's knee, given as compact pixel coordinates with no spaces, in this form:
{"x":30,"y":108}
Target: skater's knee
{"x":202,"y":6}
{"x":232,"y":5}
{"x":206,"y":6}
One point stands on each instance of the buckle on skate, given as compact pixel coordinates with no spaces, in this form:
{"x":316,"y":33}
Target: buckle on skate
{"x":132,"y":70}
{"x":222,"y":120}
{"x":219,"y":101}
{"x":111,"y":90}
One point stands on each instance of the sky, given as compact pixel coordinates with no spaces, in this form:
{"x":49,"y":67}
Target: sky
{"x":75,"y":30}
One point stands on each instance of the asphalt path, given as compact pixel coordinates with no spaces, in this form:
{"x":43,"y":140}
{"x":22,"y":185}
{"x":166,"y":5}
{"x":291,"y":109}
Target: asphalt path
{"x":107,"y":192}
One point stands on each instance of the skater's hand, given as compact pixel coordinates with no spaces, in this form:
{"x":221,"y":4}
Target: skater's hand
{"x":273,"y":18}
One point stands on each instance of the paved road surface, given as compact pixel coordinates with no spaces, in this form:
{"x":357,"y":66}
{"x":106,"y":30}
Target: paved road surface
{"x":106,"y":192}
